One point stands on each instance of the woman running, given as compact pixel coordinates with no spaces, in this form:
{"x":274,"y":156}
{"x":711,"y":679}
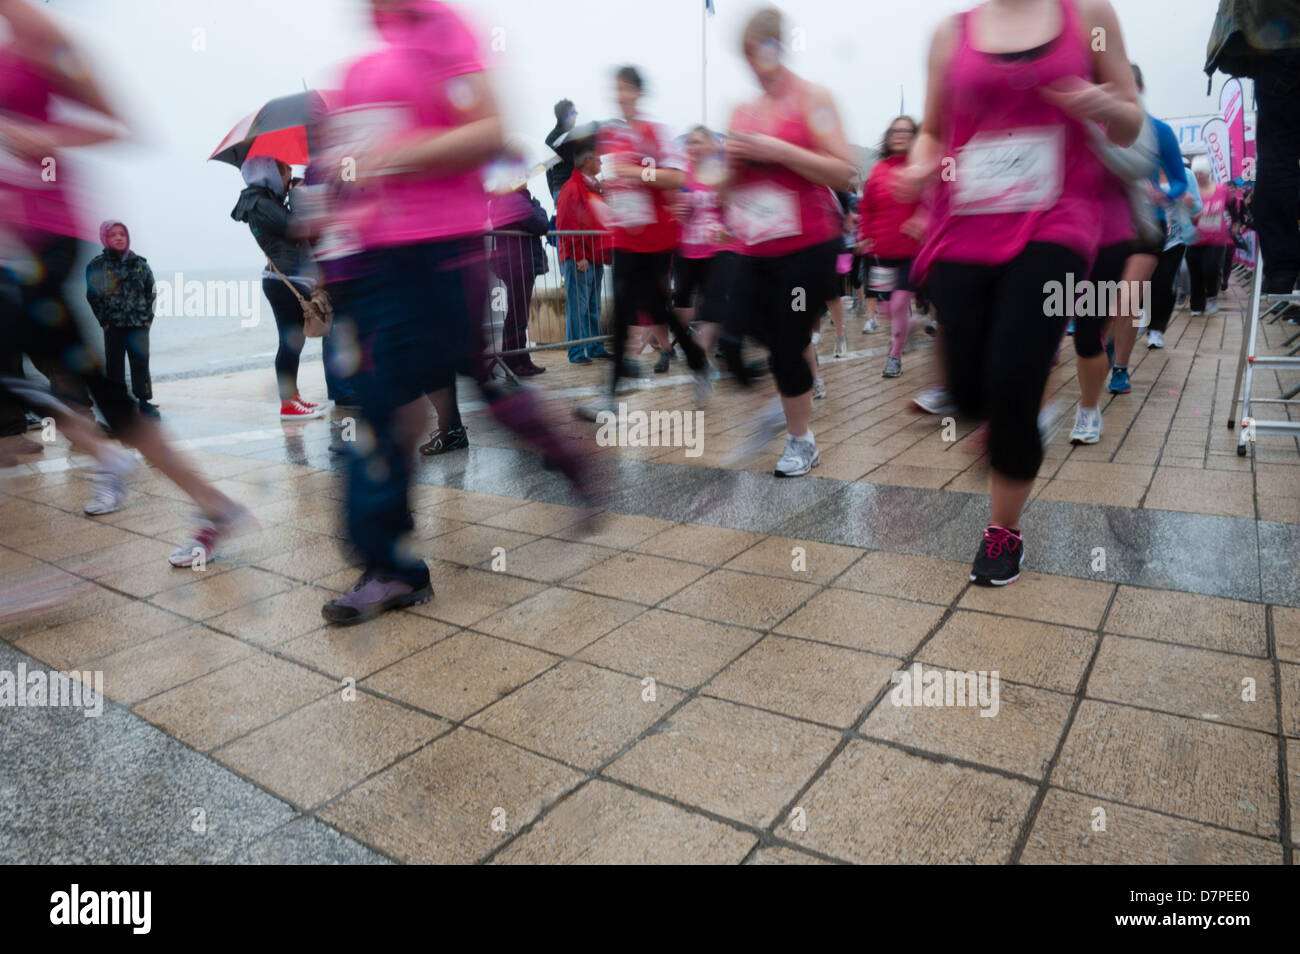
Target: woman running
{"x":419,"y":119}
{"x":890,"y":235}
{"x":701,"y":236}
{"x":786,"y":151}
{"x":1011,"y":83}
{"x":42,"y":237}
{"x":1205,"y":257}
{"x":644,"y":175}
{"x":1178,"y":203}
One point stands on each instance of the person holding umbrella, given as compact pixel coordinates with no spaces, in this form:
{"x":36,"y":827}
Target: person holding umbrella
{"x":263,"y":206}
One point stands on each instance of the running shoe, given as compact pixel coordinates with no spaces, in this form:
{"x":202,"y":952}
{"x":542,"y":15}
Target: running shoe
{"x":1000,"y":555}
{"x":819,"y":389}
{"x":661,"y":366}
{"x":893,"y":367}
{"x":107,"y":496}
{"x":202,"y":545}
{"x":800,"y":456}
{"x":592,"y":411}
{"x":1156,"y":339}
{"x":703,"y":386}
{"x":1119,"y":382}
{"x":872,"y":325}
{"x":935,"y":400}
{"x":372,"y":596}
{"x":295,"y":410}
{"x":841,"y":345}
{"x":765,"y":428}
{"x":1213,"y":307}
{"x":1197,"y":314}
{"x":1087,"y":426}
{"x":441,"y":442}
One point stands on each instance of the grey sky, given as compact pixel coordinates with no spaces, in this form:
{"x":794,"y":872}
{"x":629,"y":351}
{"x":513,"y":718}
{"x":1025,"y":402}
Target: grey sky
{"x":181,"y":100}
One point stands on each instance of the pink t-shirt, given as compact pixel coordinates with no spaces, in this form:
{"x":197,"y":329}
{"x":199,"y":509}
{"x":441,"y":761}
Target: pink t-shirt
{"x":702,"y":226}
{"x":1116,"y":212}
{"x":34,"y":196}
{"x":413,"y":86}
{"x":771,"y":209}
{"x":1213,"y":223}
{"x":1023,"y":172}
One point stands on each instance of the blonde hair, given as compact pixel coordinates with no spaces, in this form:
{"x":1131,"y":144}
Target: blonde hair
{"x":763,"y":26}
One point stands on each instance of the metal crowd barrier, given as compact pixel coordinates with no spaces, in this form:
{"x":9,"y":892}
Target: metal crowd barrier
{"x":528,"y":312}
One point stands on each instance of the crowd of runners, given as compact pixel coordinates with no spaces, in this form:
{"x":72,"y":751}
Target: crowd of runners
{"x":1034,"y":163}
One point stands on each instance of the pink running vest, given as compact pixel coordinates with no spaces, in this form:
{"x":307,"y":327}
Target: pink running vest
{"x":772,"y":210}
{"x":1023,"y":171}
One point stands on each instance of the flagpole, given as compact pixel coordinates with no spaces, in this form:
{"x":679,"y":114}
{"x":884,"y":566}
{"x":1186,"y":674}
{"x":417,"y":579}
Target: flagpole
{"x":704,"y":61}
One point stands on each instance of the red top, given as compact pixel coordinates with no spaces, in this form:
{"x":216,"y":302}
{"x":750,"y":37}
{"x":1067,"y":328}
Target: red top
{"x":574,"y":212}
{"x":1023,"y":171}
{"x":881,"y":216}
{"x":642,"y":219}
{"x":771,"y":209}
{"x":1213,"y":223}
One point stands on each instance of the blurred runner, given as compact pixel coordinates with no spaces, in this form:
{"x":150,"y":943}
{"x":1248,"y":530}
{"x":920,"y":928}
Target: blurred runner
{"x":786,"y":151}
{"x":41,"y":239}
{"x":1011,"y":83}
{"x":890,"y":231}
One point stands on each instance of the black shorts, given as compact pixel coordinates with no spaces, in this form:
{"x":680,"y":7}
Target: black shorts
{"x":690,"y":275}
{"x":902,"y":281}
{"x":723,"y":272}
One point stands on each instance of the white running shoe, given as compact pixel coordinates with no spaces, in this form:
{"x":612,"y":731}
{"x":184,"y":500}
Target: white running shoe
{"x":841,"y":345}
{"x":1087,"y":426}
{"x":765,"y":428}
{"x":819,"y":389}
{"x":1213,"y":307}
{"x":108,"y":494}
{"x":800,"y":456}
{"x":1155,"y":339}
{"x":935,"y":400}
{"x":871,"y":326}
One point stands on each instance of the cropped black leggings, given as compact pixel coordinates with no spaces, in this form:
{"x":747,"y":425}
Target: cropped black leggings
{"x":999,"y":341}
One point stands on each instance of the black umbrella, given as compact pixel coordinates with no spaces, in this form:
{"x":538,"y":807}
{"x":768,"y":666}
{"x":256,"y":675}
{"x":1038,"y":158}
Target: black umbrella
{"x":285,"y":128}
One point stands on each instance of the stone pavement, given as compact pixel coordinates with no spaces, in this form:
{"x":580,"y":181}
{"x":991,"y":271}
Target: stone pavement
{"x":702,"y":677}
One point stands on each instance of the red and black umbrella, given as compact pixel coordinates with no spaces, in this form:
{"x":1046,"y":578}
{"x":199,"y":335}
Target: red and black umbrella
{"x":284,"y":128}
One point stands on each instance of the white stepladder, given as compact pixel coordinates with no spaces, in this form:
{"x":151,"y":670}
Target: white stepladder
{"x":1248,"y":361}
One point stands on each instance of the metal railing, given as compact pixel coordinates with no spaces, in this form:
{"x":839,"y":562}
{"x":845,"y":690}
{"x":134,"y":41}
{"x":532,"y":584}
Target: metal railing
{"x":529,"y":301}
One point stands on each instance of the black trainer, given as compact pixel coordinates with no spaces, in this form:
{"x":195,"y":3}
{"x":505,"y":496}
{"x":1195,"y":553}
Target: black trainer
{"x":440,"y":441}
{"x":1001,"y":553}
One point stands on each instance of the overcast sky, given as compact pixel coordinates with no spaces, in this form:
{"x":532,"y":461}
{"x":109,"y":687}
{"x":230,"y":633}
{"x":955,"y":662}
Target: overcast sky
{"x":185,"y":71}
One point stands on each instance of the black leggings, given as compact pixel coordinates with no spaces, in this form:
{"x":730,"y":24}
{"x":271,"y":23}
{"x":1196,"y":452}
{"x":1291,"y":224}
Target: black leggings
{"x":999,"y":342}
{"x":1204,"y":264}
{"x":777,"y":300}
{"x":641,"y":285}
{"x":1109,"y":267}
{"x":1162,"y":287}
{"x":288,"y":323}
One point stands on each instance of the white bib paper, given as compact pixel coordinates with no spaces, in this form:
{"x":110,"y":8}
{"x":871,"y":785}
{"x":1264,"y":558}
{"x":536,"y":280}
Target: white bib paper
{"x":882,"y":279}
{"x":762,"y":212}
{"x":630,"y":208}
{"x":1018,"y":170}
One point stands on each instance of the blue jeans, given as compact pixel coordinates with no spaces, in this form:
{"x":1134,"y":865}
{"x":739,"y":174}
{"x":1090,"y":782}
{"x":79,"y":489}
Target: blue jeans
{"x":582,"y":307}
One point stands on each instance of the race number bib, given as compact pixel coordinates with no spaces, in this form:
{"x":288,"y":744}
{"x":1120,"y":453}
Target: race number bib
{"x":630,"y":208}
{"x":1019,"y":170}
{"x":763,"y":212}
{"x":882,"y":279}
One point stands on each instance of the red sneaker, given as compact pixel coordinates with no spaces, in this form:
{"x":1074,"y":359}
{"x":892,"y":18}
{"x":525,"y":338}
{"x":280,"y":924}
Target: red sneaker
{"x":296,"y":410}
